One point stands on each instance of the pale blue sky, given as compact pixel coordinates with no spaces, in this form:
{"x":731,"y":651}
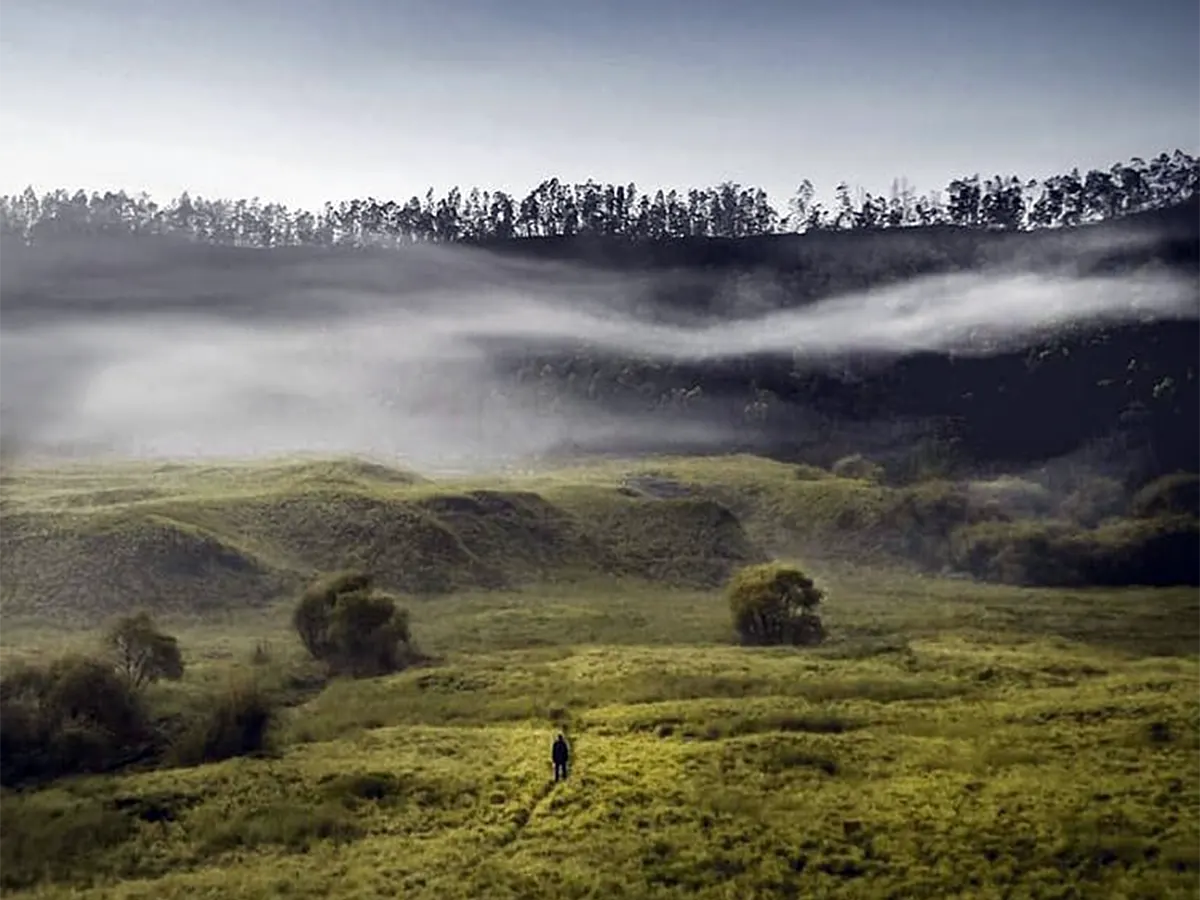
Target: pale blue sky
{"x":303,"y":101}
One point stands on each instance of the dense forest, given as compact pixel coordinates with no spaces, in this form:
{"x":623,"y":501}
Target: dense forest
{"x":555,"y":209}
{"x":1125,"y":395}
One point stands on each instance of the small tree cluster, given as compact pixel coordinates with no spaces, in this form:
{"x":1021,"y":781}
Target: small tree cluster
{"x":74,"y":715}
{"x":775,"y":603}
{"x":344,"y":623}
{"x":1157,"y":551}
{"x":141,"y":653}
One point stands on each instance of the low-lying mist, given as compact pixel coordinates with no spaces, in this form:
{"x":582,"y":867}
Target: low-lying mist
{"x":393,"y":357}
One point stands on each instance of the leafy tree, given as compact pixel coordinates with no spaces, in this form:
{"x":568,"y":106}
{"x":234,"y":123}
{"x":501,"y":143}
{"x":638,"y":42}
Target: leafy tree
{"x":1047,"y":210}
{"x":1003,"y":203}
{"x":1073,"y":198}
{"x":965,"y":200}
{"x":800,"y":205}
{"x":354,"y":630}
{"x":1100,"y":198}
{"x":775,"y":603}
{"x":870,"y":212}
{"x":142,"y":653}
{"x":845,"y":207}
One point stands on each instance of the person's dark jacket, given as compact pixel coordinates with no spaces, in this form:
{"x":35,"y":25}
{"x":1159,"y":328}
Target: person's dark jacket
{"x":560,"y":753}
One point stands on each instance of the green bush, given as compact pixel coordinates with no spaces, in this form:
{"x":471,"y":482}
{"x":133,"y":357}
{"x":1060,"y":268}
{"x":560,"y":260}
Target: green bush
{"x":1013,"y":497}
{"x":1170,"y":495}
{"x":1024,"y":552}
{"x":355,"y":631}
{"x":920,"y":519}
{"x":774,"y":603}
{"x":75,"y":715}
{"x":236,"y":723}
{"x":141,"y":653}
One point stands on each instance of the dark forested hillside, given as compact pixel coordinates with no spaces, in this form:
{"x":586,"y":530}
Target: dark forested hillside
{"x":1123,"y":395}
{"x":1126,"y":395}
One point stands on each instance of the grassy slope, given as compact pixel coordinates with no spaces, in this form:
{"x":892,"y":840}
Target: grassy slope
{"x":78,"y":542}
{"x":952,"y":739}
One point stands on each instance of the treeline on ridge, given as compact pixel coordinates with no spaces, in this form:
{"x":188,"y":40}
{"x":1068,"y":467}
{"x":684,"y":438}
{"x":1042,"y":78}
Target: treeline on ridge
{"x":558,"y":209}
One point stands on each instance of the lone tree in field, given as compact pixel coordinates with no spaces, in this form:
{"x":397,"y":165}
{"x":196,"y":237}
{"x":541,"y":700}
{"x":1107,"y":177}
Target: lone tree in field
{"x":775,"y":603}
{"x":344,"y":623}
{"x":142,"y":653}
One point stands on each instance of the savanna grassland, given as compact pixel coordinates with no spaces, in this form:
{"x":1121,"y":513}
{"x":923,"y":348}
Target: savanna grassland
{"x":950,"y":738}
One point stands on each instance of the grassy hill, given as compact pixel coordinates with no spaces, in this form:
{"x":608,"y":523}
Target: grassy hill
{"x":952,"y":738}
{"x":85,"y":542}
{"x":82,"y":541}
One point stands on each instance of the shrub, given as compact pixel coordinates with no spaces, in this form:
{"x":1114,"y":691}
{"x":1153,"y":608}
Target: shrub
{"x":236,"y":723}
{"x":75,"y":715}
{"x":1023,"y":552}
{"x":1093,"y":501}
{"x":1175,"y":494}
{"x":1130,"y":552}
{"x":774,"y":603}
{"x":858,"y":467}
{"x":920,"y":518}
{"x":141,"y":653}
{"x":1012,"y":496}
{"x":354,"y":630}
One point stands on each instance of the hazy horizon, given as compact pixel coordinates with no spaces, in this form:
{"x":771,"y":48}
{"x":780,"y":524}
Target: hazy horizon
{"x":306,"y":102}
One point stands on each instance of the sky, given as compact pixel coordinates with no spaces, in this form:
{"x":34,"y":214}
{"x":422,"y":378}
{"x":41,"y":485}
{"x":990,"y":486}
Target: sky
{"x":301,"y":102}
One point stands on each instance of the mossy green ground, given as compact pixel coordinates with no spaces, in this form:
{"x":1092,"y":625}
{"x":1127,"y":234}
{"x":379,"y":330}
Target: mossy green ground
{"x":952,"y":739}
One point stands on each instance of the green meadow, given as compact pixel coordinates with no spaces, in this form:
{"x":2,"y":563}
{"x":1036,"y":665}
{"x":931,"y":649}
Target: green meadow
{"x":952,"y":737}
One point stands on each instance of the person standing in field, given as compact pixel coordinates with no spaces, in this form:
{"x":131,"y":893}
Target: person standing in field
{"x":560,"y":753}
